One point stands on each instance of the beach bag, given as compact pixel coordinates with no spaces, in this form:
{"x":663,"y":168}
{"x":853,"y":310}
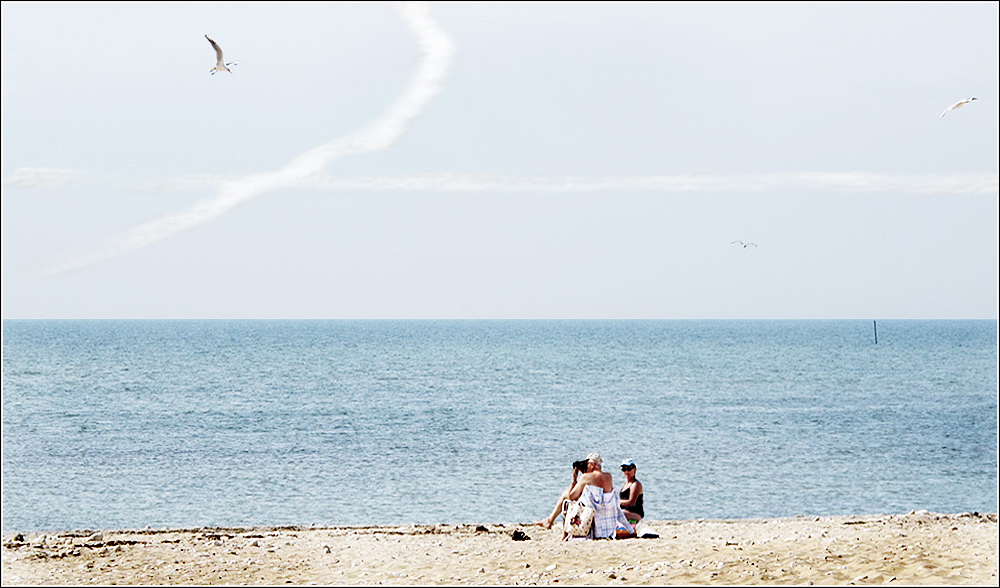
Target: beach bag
{"x":577,"y":518}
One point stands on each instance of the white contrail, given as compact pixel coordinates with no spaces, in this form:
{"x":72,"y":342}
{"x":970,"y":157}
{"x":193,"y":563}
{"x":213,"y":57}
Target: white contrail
{"x":31,"y":177}
{"x":436,"y":49}
{"x":306,"y":172}
{"x":46,"y":177}
{"x":454,"y":182}
{"x":672,"y":184}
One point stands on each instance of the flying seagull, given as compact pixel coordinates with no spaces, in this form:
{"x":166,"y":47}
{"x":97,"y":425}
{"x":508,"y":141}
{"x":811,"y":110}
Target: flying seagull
{"x":745,"y":245}
{"x":220,"y":64}
{"x":958,"y":104}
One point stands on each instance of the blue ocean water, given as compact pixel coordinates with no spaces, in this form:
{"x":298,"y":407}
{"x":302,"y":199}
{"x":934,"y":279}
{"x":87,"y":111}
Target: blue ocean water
{"x":124,"y":424}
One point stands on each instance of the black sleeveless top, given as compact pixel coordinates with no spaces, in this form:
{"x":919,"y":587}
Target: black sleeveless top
{"x":637,"y":507}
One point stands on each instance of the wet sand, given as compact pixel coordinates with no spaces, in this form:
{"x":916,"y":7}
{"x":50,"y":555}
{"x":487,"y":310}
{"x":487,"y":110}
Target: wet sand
{"x":918,"y":548}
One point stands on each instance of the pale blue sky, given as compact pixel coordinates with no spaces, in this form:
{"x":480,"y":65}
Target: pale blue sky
{"x":578,"y":161}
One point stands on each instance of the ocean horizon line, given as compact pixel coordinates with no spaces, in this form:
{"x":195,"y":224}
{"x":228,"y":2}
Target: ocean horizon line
{"x":472,"y":319}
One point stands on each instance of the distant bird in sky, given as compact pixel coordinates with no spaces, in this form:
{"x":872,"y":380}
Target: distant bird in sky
{"x":958,"y":104}
{"x":220,"y":64}
{"x":745,"y":245}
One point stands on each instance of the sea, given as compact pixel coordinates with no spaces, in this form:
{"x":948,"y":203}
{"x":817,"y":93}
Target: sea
{"x":128,"y":424}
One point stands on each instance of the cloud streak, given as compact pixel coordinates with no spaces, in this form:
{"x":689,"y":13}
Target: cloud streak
{"x":455,"y":182}
{"x":675,"y":184}
{"x":45,"y":177}
{"x":436,"y":53}
{"x":305,"y":172}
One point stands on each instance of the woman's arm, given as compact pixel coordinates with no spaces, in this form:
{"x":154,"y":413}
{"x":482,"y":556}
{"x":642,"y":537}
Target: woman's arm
{"x":633,"y":495}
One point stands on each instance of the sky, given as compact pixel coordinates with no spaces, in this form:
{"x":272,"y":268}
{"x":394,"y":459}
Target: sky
{"x":500,"y":161}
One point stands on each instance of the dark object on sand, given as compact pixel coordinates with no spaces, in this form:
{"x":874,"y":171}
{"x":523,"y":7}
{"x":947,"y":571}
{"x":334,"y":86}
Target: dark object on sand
{"x":520,"y":535}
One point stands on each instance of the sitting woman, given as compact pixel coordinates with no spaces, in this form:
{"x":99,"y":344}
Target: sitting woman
{"x":596,"y":489}
{"x":579,"y":467}
{"x":631,"y":493}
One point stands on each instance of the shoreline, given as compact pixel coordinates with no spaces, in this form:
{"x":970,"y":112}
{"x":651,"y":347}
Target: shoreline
{"x":902,"y":549}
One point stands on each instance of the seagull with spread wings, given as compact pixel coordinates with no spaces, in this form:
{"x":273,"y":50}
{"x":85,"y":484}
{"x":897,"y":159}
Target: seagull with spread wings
{"x":958,"y":104}
{"x":220,"y":63}
{"x":745,"y":245}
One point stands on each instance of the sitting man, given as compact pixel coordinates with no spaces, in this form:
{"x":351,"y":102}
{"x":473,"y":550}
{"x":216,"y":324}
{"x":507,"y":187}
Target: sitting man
{"x":596,"y":490}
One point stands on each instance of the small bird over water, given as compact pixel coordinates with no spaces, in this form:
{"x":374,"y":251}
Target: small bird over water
{"x":220,"y":64}
{"x":745,"y":245}
{"x":958,"y":104}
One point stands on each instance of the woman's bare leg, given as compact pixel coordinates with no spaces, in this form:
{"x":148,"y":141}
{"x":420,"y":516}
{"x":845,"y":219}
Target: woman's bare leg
{"x":631,"y":516}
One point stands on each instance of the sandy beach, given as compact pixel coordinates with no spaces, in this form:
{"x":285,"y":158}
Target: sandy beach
{"x":918,"y":548}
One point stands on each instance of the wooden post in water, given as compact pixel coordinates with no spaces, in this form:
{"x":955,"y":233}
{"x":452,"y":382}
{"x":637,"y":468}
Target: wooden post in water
{"x":875,"y":327}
